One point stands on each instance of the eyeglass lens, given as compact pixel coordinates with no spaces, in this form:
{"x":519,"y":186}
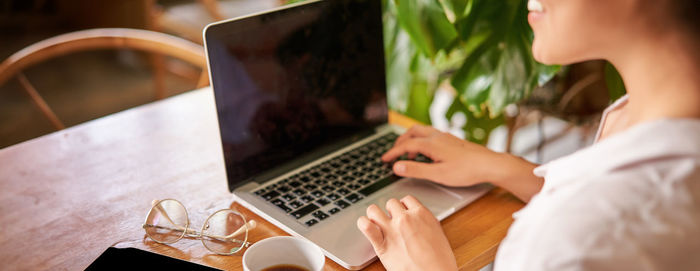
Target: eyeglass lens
{"x":167,"y":221}
{"x":224,"y":232}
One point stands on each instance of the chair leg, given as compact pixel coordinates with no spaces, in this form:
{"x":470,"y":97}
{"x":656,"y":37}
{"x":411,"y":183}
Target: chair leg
{"x":158,"y":67}
{"x":39,"y":102}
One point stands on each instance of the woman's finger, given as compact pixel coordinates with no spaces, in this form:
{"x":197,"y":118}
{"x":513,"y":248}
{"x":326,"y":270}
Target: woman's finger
{"x":415,"y":131}
{"x":418,"y":170}
{"x":411,"y":202}
{"x":423,"y":146}
{"x":373,"y":233}
{"x":377,"y":215}
{"x":394,"y":207}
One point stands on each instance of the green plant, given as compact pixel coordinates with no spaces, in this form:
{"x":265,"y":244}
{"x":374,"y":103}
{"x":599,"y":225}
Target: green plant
{"x":482,"y":48}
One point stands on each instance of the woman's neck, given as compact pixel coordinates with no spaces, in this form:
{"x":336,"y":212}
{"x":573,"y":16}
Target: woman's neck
{"x":662,"y":77}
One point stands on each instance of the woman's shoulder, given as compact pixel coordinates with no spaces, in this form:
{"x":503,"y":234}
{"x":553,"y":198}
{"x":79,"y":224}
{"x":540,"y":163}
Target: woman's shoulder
{"x":634,"y":204}
{"x":624,"y":224}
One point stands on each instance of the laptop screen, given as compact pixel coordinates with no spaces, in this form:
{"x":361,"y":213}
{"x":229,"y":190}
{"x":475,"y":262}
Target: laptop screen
{"x":294,"y":84}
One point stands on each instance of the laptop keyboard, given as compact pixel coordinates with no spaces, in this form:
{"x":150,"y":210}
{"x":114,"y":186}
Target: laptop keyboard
{"x":327,"y":188}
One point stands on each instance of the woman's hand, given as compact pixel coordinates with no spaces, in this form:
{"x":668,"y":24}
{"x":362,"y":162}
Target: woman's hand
{"x":410,"y":238}
{"x":457,"y":162}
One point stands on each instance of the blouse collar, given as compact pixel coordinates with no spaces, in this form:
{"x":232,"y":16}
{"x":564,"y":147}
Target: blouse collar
{"x":647,"y":141}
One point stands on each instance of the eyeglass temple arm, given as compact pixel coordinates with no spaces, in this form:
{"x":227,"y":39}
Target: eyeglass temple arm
{"x":155,"y":203}
{"x":248,"y":225}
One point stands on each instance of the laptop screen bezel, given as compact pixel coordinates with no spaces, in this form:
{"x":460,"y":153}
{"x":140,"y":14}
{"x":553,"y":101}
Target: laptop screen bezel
{"x":223,"y":29}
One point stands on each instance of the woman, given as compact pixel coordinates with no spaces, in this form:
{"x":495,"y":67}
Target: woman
{"x":629,"y":202}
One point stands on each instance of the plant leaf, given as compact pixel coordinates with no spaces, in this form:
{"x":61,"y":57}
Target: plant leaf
{"x":501,"y":69}
{"x":427,"y":25}
{"x":616,"y":87}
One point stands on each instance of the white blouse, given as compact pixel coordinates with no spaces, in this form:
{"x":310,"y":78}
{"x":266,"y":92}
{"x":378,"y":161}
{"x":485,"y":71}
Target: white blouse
{"x":628,"y":202}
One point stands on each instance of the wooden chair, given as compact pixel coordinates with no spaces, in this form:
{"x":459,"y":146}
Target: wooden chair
{"x":96,"y":39}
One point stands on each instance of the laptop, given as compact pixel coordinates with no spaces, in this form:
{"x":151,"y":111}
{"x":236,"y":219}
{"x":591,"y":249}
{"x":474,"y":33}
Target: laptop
{"x":301,"y":102}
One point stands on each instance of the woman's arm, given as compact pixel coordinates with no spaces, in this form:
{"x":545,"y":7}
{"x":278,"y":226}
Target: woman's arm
{"x":457,"y":162}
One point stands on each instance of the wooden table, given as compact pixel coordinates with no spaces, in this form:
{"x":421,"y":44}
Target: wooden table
{"x":67,"y":196}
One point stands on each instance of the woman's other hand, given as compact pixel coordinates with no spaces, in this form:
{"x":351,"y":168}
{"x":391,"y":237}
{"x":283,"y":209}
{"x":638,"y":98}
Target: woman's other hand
{"x":409,"y":238}
{"x":457,"y":162}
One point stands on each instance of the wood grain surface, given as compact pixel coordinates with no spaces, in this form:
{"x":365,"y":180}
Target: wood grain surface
{"x":68,"y":196}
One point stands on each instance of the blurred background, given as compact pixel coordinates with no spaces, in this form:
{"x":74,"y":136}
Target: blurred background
{"x":86,"y":85}
{"x":438,"y":56}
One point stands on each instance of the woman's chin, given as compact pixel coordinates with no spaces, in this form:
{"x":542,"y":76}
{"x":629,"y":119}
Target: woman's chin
{"x":539,"y":53}
{"x":546,"y":55}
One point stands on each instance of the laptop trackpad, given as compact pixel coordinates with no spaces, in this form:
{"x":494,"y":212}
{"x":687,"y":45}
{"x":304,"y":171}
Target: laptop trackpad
{"x":439,"y":200}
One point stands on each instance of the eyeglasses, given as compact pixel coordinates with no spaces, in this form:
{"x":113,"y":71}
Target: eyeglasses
{"x":225,"y":232}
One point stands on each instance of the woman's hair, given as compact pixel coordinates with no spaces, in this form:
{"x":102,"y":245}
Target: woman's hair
{"x":687,"y":12}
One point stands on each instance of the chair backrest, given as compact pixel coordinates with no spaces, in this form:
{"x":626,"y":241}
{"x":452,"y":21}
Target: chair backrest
{"x":98,"y":39}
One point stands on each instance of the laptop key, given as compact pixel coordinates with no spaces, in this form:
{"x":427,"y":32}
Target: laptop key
{"x":334,"y":210}
{"x":343,"y":191}
{"x":342,"y":204}
{"x":333,"y":196}
{"x":296,"y":204}
{"x":310,"y":187}
{"x":354,"y":198}
{"x":363,"y":181}
{"x":323,"y":202}
{"x":353,"y":186}
{"x":315,"y":174}
{"x":379,"y":185}
{"x":317,"y":193}
{"x":284,"y":189}
{"x":305,"y":179}
{"x":284,"y":208}
{"x":260,"y":192}
{"x":311,"y":222}
{"x":270,"y":195}
{"x":277,"y":202}
{"x":289,"y":197}
{"x":304,"y":211}
{"x":328,"y":188}
{"x":294,"y":184}
{"x":348,"y":178}
{"x":320,"y":215}
{"x":338,"y":183}
{"x":320,"y":182}
{"x":299,"y":192}
{"x":307,"y":199}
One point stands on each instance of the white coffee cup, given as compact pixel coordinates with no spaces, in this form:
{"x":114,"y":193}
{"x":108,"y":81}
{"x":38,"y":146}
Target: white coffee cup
{"x":283,"y":250}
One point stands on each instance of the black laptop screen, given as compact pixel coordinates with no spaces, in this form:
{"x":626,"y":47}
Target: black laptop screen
{"x":291,"y":84}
